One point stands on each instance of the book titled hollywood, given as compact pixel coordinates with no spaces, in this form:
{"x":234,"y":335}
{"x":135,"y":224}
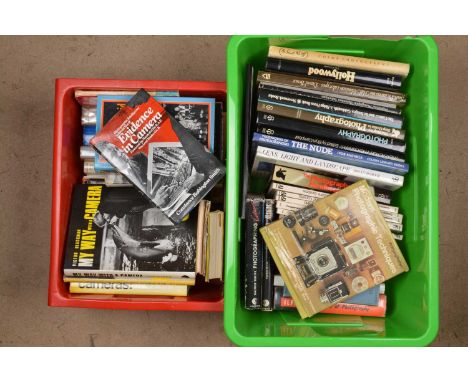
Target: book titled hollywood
{"x":159,"y":156}
{"x":117,"y":233}
{"x":334,"y":249}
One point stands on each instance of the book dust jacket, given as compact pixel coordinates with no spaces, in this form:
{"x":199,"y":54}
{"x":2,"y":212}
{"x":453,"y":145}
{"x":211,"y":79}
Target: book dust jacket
{"x":159,"y":156}
{"x":334,"y":248}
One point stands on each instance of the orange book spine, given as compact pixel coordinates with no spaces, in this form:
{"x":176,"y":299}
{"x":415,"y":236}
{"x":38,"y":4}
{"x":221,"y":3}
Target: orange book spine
{"x":348,"y":309}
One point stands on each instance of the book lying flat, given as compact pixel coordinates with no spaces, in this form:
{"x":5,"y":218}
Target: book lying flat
{"x":334,"y":249}
{"x":159,"y":156}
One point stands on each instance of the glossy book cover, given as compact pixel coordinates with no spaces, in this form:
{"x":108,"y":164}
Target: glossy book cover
{"x":159,"y":156}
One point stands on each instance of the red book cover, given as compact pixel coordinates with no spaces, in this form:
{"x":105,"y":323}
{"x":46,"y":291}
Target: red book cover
{"x":348,"y":309}
{"x":159,"y":156}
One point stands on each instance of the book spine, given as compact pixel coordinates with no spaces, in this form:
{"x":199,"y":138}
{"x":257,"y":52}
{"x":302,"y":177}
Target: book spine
{"x":303,"y":179}
{"x":282,"y":191}
{"x":253,"y":252}
{"x":297,"y":99}
{"x":267,"y":286}
{"x":308,"y":129}
{"x":273,"y":131}
{"x":324,"y":119}
{"x":335,"y":73}
{"x":369,"y":97}
{"x":347,"y":157}
{"x":103,"y":273}
{"x":292,"y":205}
{"x":345,"y":308}
{"x":143,"y":280}
{"x":128,"y":289}
{"x":353,"y":173}
{"x":346,"y":61}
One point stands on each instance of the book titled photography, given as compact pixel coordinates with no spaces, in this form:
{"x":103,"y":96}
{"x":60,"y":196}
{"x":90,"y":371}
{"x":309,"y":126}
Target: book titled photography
{"x":159,"y":156}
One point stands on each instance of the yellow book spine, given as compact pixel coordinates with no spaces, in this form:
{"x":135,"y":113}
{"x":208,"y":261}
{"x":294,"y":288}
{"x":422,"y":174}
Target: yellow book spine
{"x":129,"y":289}
{"x":146,"y":280}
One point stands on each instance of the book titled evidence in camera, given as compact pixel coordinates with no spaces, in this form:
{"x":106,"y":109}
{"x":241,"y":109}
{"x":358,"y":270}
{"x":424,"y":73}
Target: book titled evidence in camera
{"x":159,"y":156}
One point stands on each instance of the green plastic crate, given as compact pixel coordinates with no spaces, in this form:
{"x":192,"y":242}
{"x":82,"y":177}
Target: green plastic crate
{"x":413,"y":299}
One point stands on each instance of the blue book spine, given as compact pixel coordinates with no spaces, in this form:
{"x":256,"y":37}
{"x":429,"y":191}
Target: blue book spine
{"x":368,"y":297}
{"x":89,"y":131}
{"x":332,"y":154}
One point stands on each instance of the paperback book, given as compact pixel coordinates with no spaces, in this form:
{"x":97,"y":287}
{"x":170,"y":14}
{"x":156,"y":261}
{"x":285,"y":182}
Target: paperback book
{"x":159,"y":156}
{"x":117,"y":233}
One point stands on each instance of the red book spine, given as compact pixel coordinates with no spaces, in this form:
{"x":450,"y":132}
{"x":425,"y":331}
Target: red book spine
{"x":348,"y":309}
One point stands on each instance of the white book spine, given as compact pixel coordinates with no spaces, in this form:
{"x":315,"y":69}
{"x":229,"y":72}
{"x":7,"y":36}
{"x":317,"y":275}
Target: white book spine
{"x":352,"y":173}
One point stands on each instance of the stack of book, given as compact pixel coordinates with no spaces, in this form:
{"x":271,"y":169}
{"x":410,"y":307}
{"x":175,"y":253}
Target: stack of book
{"x":317,"y":123}
{"x":148,"y":217}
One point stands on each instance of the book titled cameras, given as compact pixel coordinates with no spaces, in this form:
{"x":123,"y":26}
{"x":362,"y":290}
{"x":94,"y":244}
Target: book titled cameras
{"x":159,"y":156}
{"x":333,"y":249}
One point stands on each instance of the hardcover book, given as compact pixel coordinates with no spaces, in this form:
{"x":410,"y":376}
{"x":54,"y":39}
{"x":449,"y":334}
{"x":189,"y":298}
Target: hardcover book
{"x":347,"y":61}
{"x":266,"y":159}
{"x":335,"y":73}
{"x":159,"y":156}
{"x":339,"y":92}
{"x":253,"y":257}
{"x":334,"y":249}
{"x":117,"y":233}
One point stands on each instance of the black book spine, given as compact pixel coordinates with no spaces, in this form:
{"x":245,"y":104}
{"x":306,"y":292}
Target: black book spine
{"x":355,"y":138}
{"x":334,"y":73}
{"x":254,"y":216}
{"x":249,"y":115}
{"x":386,"y":98}
{"x":297,"y":98}
{"x":324,"y":119}
{"x":267,"y":285}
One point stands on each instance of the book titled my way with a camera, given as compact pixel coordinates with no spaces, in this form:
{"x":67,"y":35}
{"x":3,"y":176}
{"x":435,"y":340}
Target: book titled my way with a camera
{"x":159,"y":156}
{"x":333,"y":249}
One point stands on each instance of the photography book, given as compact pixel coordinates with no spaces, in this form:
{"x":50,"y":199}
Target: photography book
{"x":253,"y":251}
{"x":335,"y":73}
{"x":196,"y":114}
{"x":266,"y":158}
{"x":323,"y":152}
{"x":159,"y":156}
{"x":300,"y":130}
{"x":353,"y":95}
{"x":334,"y":249}
{"x":298,"y":99}
{"x":327,"y":120}
{"x":322,"y":184}
{"x":346,"y":61}
{"x":128,"y":289}
{"x":116,"y":233}
{"x":283,"y":302}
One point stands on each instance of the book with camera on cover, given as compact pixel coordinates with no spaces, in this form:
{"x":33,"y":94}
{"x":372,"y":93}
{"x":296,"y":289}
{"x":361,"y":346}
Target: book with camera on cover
{"x":117,"y":233}
{"x":159,"y":156}
{"x":333,"y":249}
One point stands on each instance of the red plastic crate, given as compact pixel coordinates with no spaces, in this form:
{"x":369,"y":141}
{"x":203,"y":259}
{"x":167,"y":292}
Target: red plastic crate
{"x":68,"y":170}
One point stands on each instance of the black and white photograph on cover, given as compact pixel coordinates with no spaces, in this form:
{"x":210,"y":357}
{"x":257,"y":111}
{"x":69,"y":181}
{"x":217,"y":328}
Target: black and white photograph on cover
{"x":172,"y":176}
{"x":193,"y":117}
{"x":133,"y":168}
{"x":146,"y":240}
